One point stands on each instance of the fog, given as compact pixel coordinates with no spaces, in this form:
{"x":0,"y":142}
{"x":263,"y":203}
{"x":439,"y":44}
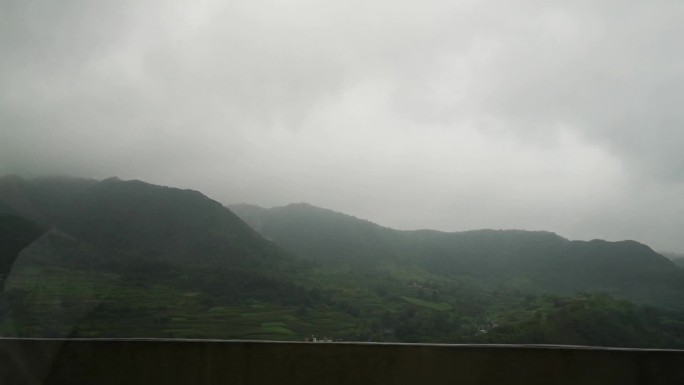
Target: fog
{"x":453,"y":115}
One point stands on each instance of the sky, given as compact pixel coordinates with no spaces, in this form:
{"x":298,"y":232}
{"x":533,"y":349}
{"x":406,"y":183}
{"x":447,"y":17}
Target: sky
{"x":550,"y":115}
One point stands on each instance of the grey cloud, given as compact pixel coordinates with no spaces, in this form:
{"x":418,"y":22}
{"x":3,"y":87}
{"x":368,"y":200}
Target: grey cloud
{"x":534,"y":114}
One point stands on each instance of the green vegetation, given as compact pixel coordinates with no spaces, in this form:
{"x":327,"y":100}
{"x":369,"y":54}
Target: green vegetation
{"x":16,"y":233}
{"x":530,"y":261}
{"x":129,"y":259}
{"x":431,"y":305}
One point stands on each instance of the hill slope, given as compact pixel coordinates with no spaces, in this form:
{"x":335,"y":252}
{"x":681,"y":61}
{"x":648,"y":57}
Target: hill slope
{"x":128,"y":259}
{"x":324,"y":235}
{"x":16,"y":233}
{"x":538,"y":261}
{"x":161,"y":223}
{"x":116,"y":244}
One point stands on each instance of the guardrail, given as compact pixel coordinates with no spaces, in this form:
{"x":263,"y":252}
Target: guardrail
{"x":168,"y":362}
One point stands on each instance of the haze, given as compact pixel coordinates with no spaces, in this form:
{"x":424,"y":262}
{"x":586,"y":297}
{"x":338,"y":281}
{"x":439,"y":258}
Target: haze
{"x":454,"y":115}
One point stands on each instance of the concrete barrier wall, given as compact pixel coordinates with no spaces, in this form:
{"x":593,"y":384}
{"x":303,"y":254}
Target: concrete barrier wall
{"x":29,"y":361}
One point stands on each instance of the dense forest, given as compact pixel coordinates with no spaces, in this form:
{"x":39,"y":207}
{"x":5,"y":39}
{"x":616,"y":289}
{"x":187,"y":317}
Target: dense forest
{"x":119,"y":258}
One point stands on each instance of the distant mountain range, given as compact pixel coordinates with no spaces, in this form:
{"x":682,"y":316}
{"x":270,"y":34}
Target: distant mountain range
{"x":540,"y":261}
{"x":115,"y":258}
{"x":115,"y":240}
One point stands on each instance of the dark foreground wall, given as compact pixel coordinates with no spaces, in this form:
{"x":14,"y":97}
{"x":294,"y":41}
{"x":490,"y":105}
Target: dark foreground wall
{"x":223,"y":362}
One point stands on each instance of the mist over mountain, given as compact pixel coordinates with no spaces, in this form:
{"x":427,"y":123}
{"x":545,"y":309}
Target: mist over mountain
{"x":533,"y":260}
{"x":676,"y":258}
{"x":444,"y":115}
{"x":132,"y":216}
{"x":105,"y":243}
{"x":480,"y":119}
{"x":117,"y":258}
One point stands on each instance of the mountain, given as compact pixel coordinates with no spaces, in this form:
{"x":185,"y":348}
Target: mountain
{"x":161,"y":223}
{"x":113,"y":258}
{"x":16,"y":233}
{"x":41,"y":200}
{"x":324,"y":235}
{"x":115,"y":243}
{"x":536,"y":261}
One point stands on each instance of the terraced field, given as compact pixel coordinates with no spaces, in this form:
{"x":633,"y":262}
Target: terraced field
{"x":61,"y":302}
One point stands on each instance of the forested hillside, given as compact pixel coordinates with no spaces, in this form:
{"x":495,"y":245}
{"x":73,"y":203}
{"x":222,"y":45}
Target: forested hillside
{"x":119,"y":258}
{"x":119,"y":244}
{"x":529,"y":261}
{"x":16,"y":233}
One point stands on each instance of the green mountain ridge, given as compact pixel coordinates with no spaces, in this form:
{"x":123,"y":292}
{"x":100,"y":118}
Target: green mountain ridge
{"x":118,"y":258}
{"x":112,"y":241}
{"x":133,"y":216}
{"x":548,"y":262}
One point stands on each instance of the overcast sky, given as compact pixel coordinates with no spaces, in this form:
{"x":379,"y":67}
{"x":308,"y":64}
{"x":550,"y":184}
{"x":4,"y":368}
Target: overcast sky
{"x":558,"y":115}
